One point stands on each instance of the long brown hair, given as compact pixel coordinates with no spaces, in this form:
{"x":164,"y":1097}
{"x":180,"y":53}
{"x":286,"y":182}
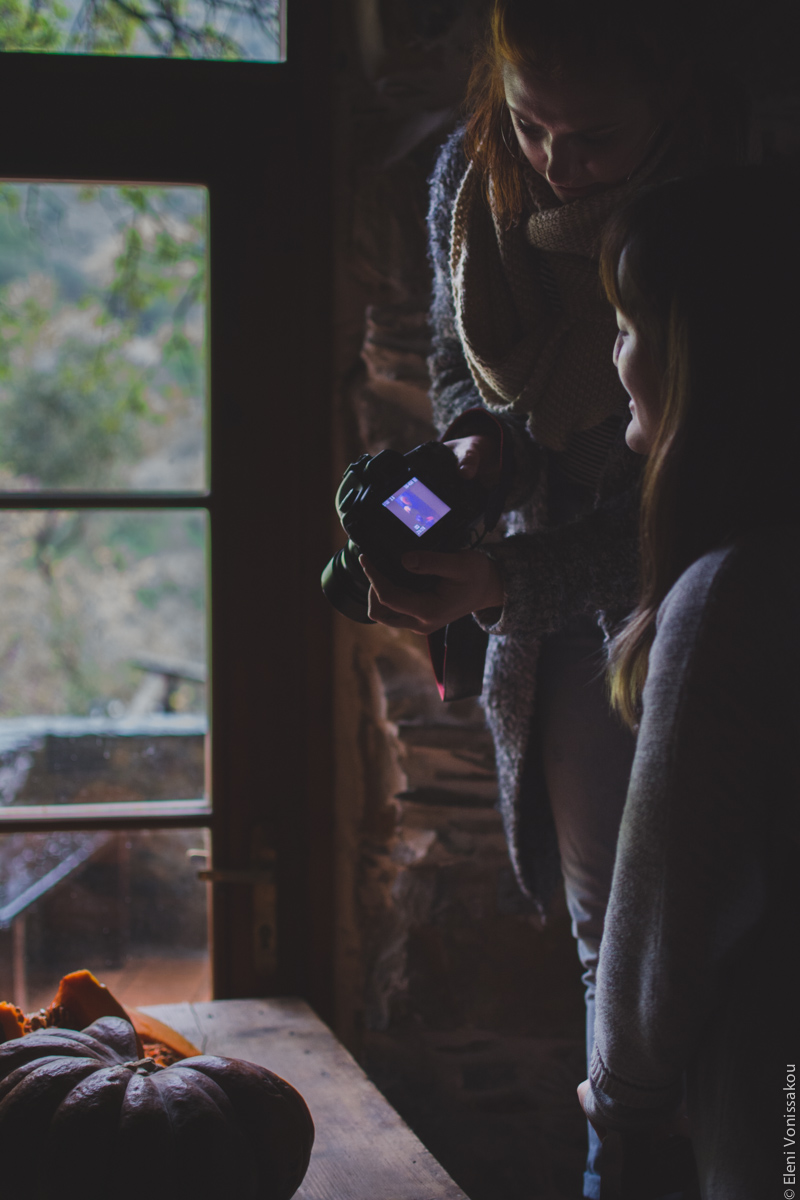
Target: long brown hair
{"x":707,"y":270}
{"x":552,"y":38}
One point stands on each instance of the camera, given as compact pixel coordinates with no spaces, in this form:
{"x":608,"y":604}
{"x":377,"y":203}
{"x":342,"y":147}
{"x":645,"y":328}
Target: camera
{"x":392,"y":503}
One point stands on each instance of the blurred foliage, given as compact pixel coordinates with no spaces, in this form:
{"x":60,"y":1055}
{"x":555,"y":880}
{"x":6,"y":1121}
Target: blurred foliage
{"x":84,"y":593}
{"x":31,"y":26}
{"x":167,"y":28}
{"x":73,"y":429}
{"x":73,"y":404}
{"x":102,"y":369}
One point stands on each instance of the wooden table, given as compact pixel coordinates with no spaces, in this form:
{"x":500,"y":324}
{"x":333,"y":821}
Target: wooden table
{"x":363,"y":1150}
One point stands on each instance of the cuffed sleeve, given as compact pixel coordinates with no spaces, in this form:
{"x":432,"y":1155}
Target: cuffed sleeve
{"x":619,"y":1104}
{"x":553,"y":574}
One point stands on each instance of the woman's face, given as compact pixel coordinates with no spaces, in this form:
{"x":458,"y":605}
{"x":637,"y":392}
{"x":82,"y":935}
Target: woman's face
{"x":641,"y":379}
{"x":582,"y":134}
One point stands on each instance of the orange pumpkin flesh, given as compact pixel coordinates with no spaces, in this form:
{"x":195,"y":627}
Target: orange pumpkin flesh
{"x":159,"y":1040}
{"x":12,"y":1021}
{"x":83,"y":1000}
{"x":80,"y":1001}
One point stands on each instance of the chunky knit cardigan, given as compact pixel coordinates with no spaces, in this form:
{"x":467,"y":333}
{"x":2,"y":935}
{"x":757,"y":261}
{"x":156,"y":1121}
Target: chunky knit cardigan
{"x":550,"y":573}
{"x":530,"y":313}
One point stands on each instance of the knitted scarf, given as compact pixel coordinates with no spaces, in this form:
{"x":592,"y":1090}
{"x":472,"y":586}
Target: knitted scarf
{"x":530,"y":312}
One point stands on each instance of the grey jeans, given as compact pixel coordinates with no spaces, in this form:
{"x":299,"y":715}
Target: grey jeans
{"x":586,"y":756}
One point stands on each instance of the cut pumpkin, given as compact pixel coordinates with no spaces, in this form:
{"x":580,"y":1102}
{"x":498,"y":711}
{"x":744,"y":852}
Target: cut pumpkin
{"x":80,"y":1001}
{"x":152,"y":1032}
{"x":82,"y":1118}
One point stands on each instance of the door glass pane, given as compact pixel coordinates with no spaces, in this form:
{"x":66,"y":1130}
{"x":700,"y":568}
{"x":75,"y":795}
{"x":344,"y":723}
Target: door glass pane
{"x":102,"y":337}
{"x":211,"y":29}
{"x":127,"y":906}
{"x":102,"y":652}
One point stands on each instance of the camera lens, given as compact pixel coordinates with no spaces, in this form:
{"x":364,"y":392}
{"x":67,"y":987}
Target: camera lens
{"x":346,"y":585}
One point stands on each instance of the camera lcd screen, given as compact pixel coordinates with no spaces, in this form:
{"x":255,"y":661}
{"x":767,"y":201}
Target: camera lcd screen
{"x":417,"y":507}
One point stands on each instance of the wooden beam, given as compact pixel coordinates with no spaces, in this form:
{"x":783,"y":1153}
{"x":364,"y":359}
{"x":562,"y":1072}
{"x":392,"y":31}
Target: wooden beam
{"x":19,"y":977}
{"x":128,"y":814}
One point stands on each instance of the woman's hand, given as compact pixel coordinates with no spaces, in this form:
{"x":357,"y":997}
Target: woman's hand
{"x":468,"y":582}
{"x":585,"y":1095}
{"x":478,"y":458}
{"x":675,"y":1126}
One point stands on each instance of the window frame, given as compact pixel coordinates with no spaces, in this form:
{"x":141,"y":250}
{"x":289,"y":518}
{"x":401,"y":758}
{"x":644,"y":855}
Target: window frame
{"x":242,"y":131}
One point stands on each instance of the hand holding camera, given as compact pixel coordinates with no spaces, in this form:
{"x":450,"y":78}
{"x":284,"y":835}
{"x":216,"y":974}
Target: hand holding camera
{"x":467,"y":582}
{"x":434,"y":503}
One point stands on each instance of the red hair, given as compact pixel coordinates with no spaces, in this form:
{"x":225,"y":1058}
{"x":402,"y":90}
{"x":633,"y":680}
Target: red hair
{"x":554,"y":38}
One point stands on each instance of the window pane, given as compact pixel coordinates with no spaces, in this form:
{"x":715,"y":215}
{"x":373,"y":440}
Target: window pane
{"x":102,"y":647}
{"x":211,"y":29}
{"x":127,"y":906}
{"x":102,"y":337}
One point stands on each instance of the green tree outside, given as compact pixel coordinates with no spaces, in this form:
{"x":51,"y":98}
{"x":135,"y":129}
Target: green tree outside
{"x":102,"y":376}
{"x":210,"y":29}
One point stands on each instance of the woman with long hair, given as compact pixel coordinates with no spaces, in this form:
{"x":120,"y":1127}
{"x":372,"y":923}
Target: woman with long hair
{"x":697,"y":984}
{"x":572,"y":107}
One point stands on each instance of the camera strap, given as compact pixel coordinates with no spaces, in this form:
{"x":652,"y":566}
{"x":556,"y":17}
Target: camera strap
{"x":457,"y":656}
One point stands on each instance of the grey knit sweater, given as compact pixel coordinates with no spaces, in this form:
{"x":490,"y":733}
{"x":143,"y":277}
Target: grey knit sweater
{"x":551,"y":572}
{"x":698,"y":974}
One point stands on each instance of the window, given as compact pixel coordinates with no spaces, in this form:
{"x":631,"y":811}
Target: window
{"x":172,"y":134}
{"x":207,"y":29}
{"x":102,"y":706}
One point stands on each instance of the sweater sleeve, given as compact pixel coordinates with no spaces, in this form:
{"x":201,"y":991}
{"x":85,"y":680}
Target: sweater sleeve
{"x":586,"y":566}
{"x":453,"y":390}
{"x":692,"y":874}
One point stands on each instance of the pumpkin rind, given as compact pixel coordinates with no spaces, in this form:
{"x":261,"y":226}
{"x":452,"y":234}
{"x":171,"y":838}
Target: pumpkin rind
{"x":12,"y":1021}
{"x":80,"y":1109}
